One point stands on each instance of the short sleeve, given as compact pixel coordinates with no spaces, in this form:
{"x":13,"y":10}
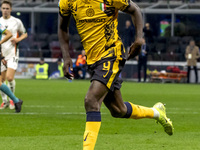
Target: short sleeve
{"x":64,"y":7}
{"x":21,"y":28}
{"x":121,"y":4}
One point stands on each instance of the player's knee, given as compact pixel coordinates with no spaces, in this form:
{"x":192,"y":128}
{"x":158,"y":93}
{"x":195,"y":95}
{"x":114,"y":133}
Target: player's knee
{"x":91,"y":104}
{"x":9,"y":78}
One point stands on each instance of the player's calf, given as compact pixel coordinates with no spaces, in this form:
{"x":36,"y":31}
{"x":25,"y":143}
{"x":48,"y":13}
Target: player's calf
{"x":117,"y":112}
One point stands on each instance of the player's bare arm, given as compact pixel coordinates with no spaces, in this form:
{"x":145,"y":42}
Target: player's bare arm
{"x":63,"y":35}
{"x":136,"y":17}
{"x":17,"y":40}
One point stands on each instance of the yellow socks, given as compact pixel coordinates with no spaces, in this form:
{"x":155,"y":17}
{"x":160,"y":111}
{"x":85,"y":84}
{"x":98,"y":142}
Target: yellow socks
{"x":138,"y":112}
{"x":93,"y":122}
{"x":91,"y":130}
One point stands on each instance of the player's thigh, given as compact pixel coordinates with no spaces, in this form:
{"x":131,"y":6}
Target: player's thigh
{"x":115,"y":103}
{"x":12,"y":64}
{"x":10,"y":74}
{"x":95,"y":95}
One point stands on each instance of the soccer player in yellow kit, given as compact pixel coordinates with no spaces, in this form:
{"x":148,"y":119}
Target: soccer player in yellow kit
{"x":96,"y":22}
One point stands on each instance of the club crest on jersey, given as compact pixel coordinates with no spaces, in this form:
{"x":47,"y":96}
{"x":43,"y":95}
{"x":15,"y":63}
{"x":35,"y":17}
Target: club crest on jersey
{"x":90,"y":12}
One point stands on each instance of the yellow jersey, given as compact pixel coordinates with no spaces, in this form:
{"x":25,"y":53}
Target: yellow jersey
{"x":96,"y":22}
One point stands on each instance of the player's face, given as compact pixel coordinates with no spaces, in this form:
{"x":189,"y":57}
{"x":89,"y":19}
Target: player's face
{"x":6,"y":10}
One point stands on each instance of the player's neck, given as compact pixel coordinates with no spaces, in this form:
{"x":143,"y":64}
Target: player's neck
{"x":6,"y":17}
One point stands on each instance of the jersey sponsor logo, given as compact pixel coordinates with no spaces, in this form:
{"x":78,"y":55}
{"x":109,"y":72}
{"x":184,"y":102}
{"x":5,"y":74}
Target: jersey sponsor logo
{"x":92,"y":20}
{"x":90,"y":12}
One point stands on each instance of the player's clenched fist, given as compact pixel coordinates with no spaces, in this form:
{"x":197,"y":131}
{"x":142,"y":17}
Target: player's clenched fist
{"x":135,"y":48}
{"x":68,"y":68}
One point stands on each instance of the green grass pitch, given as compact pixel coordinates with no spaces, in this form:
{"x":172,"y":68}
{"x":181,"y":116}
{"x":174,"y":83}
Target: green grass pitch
{"x":53,"y":118}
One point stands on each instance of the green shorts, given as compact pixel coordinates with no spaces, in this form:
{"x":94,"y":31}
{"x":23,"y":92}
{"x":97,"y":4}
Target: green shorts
{"x":107,"y":72}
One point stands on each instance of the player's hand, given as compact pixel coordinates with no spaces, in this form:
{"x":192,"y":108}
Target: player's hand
{"x":14,"y":41}
{"x":4,"y":62}
{"x":135,"y":48}
{"x":68,"y":68}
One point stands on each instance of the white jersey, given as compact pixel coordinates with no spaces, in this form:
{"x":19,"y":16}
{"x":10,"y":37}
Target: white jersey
{"x":15,"y":26}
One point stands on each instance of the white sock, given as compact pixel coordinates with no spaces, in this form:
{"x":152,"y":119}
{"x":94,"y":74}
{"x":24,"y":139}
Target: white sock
{"x":11,"y":85}
{"x":156,"y":113}
{"x":4,"y":97}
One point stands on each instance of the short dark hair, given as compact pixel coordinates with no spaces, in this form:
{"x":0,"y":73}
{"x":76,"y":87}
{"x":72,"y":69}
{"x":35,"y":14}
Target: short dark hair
{"x":42,"y":59}
{"x":192,"y":40}
{"x":59,"y":59}
{"x":6,"y":2}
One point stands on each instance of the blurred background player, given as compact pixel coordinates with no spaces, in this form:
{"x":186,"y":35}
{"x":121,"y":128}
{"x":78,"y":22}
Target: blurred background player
{"x":191,"y":55}
{"x":42,"y":70}
{"x":10,"y":48}
{"x":80,"y":68}
{"x":3,"y":87}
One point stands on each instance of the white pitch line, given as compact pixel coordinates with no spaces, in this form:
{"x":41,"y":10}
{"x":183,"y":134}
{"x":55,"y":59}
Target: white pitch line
{"x":184,"y":113}
{"x":57,"y":106}
{"x":173,"y":108}
{"x":34,"y":113}
{"x":83,"y":113}
{"x":43,"y":106}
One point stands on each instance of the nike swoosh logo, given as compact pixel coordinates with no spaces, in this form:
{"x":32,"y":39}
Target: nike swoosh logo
{"x":86,"y":137}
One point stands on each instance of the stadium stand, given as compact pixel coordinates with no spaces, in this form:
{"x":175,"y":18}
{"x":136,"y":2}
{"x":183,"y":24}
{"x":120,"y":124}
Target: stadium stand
{"x":182,"y":18}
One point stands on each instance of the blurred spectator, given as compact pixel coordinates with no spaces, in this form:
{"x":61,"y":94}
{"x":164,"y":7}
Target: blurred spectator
{"x":60,"y":67}
{"x":148,"y":33}
{"x":42,"y":70}
{"x":192,"y":54}
{"x":142,"y":61}
{"x":80,"y":68}
{"x":128,"y":35}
